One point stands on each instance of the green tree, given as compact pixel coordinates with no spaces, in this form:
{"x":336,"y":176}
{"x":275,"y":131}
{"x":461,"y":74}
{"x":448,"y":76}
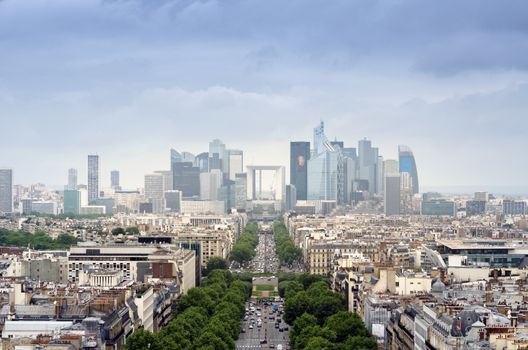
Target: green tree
{"x":346,"y":324}
{"x":304,"y":321}
{"x":301,"y":341}
{"x":326,"y":306}
{"x":295,"y":306}
{"x":132,"y":230}
{"x":319,"y":343}
{"x":215,"y":263}
{"x":360,"y":343}
{"x":196,"y":297}
{"x":118,"y":231}
{"x":141,"y":340}
{"x":208,"y":340}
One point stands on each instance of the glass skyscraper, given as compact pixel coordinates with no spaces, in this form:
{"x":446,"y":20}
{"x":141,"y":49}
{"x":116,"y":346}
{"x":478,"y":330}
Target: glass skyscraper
{"x":408,"y":165}
{"x":93,"y":178}
{"x":72,"y":179}
{"x":323,"y":176}
{"x":299,"y":156}
{"x":114,"y":179}
{"x":6,"y":190}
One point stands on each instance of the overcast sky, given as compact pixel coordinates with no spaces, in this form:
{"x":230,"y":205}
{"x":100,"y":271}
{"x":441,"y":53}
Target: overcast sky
{"x":129,"y":79}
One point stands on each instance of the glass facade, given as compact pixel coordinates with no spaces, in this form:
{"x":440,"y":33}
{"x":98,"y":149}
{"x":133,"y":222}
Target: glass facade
{"x":323,"y":176}
{"x":299,"y":157}
{"x":408,"y":165}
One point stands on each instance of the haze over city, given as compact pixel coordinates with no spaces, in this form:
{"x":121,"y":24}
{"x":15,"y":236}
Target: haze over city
{"x":129,"y":80}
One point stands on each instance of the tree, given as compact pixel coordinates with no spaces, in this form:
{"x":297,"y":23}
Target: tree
{"x":241,"y":253}
{"x":142,"y":339}
{"x":132,"y":230}
{"x":360,"y":343}
{"x":66,"y":240}
{"x":319,"y":343}
{"x":326,"y":306}
{"x":346,"y":324}
{"x":301,"y":341}
{"x":196,"y":297}
{"x":215,"y":263}
{"x":296,"y":306}
{"x":208,"y":339}
{"x":304,"y":321}
{"x":118,"y":231}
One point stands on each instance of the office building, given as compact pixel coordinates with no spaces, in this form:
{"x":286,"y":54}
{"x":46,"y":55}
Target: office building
{"x":438,"y":207}
{"x":203,"y":207}
{"x":93,"y":178}
{"x":235,"y":160}
{"x":44,"y":207}
{"x":168,"y":179}
{"x":173,"y":200}
{"x":299,"y":157}
{"x":114,"y":180}
{"x":512,"y":207}
{"x":391,"y":195}
{"x":6,"y":190}
{"x":482,"y":196}
{"x":27,"y":205}
{"x":154,"y":192}
{"x":188,"y":157}
{"x":255,"y":183}
{"x":408,"y":165}
{"x":291,"y":197}
{"x":108,"y":203}
{"x":323,"y":176}
{"x":202,"y":161}
{"x":241,"y":191}
{"x":72,"y":179}
{"x":93,"y":210}
{"x":210,"y":184}
{"x":368,"y":164}
{"x":186,"y":179}
{"x":127,"y":201}
{"x":175,"y":156}
{"x":217,"y":151}
{"x":475,"y":207}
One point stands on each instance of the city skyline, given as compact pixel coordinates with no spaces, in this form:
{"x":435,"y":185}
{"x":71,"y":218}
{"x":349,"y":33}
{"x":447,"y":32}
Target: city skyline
{"x":173,"y":74}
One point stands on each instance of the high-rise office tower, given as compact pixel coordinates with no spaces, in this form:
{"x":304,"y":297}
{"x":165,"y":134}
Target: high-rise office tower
{"x":186,"y":179}
{"x":235,"y":161}
{"x":392,"y":185}
{"x":408,"y":165}
{"x":154,"y":192}
{"x":173,"y":200}
{"x":188,"y":157}
{"x":241,"y":191}
{"x":319,"y":138}
{"x":291,"y":197}
{"x":202,"y":161}
{"x":72,"y":202}
{"x":210,"y":183}
{"x":299,"y":157}
{"x":93,"y":178}
{"x":114,"y":179}
{"x":175,"y":156}
{"x":482,"y":196}
{"x":217,"y":151}
{"x":72,"y":179}
{"x":6,"y":190}
{"x":168,"y":179}
{"x":368,"y":161}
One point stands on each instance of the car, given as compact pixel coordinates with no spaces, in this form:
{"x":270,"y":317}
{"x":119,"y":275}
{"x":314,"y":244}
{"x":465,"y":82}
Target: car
{"x":243,"y":330}
{"x":263,"y":341}
{"x":286,"y":328}
{"x":276,"y":325}
{"x":272,"y":346}
{"x":250,"y":326}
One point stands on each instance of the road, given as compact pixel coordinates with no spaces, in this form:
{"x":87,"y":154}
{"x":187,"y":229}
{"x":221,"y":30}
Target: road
{"x":268,"y":335}
{"x":253,"y":336}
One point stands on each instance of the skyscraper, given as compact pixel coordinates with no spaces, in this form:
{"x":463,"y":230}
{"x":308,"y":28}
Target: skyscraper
{"x":186,"y":179}
{"x":154,"y":192}
{"x":210,"y":183}
{"x":6,"y":190}
{"x":175,"y":156}
{"x":93,"y":178}
{"x":391,"y":195}
{"x":368,"y":161}
{"x":173,"y":200}
{"x":72,"y":202}
{"x":72,"y":179}
{"x":114,"y":179}
{"x":299,"y":157}
{"x":235,"y":161}
{"x":217,"y":151}
{"x":408,"y":165}
{"x":202,"y":161}
{"x":241,"y":191}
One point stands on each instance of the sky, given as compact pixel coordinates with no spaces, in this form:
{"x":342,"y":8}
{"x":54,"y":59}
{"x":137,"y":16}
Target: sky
{"x":130,"y":79}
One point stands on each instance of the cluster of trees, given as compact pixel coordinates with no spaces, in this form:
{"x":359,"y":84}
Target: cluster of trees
{"x":286,"y":250}
{"x":215,"y":263}
{"x":244,"y":248}
{"x":131,"y":230}
{"x":39,"y":240}
{"x":319,"y":320}
{"x":208,"y":318}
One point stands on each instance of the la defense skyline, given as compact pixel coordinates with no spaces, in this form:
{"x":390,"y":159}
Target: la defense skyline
{"x":331,"y":171}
